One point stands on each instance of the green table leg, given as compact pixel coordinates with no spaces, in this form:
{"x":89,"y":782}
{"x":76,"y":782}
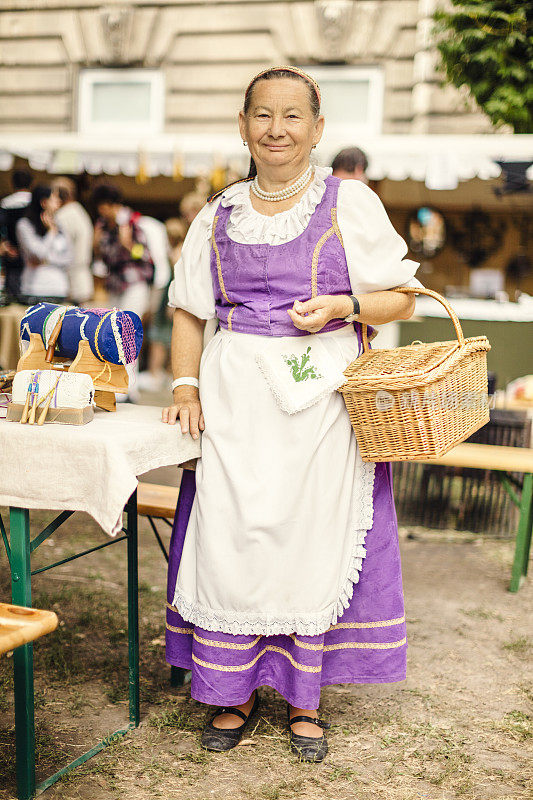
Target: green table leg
{"x":523,"y":536}
{"x":133,"y":610}
{"x":23,"y":656}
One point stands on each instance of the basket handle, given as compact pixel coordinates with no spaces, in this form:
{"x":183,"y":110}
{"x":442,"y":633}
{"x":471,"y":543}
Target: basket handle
{"x":429,"y":293}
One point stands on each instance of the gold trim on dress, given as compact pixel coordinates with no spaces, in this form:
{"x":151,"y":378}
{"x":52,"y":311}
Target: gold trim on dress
{"x":320,"y":244}
{"x":335,"y":224}
{"x":179,"y":630}
{"x":305,"y":645}
{"x":296,"y":664}
{"x":383,"y":624}
{"x":242,"y":667}
{"x":365,"y":645}
{"x":314,"y":263}
{"x":219,"y":270}
{"x":226,"y":645}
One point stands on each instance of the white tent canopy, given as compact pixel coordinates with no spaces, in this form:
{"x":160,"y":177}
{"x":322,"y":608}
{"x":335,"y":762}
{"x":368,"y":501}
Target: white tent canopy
{"x":440,"y":161}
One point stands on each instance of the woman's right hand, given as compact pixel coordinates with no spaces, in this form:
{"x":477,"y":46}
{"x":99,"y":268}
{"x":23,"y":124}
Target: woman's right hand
{"x":187,"y":409}
{"x":48,"y":221}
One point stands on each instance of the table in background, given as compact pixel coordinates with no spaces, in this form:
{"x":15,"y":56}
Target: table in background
{"x":511,"y":353}
{"x":504,"y":461}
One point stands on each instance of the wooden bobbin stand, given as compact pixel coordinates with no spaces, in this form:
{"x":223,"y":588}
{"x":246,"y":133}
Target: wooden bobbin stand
{"x":108,"y":378}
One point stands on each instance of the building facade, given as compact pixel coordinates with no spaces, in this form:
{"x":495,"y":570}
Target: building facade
{"x":199,"y":56}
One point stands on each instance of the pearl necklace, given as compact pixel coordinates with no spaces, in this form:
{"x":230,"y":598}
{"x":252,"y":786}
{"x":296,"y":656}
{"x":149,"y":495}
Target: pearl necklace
{"x":282,"y":194}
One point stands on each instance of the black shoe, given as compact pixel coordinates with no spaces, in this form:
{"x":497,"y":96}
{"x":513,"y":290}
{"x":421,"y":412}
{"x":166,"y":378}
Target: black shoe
{"x":308,"y":748}
{"x":221,"y":739}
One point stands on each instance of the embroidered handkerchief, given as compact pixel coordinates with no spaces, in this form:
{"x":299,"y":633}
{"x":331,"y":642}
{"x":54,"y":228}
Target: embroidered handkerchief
{"x":299,"y":373}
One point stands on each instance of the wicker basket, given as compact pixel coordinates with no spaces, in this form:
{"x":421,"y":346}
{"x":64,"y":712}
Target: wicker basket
{"x":419,"y":401}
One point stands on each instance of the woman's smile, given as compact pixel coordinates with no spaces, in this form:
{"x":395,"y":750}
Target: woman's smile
{"x":276,"y":147}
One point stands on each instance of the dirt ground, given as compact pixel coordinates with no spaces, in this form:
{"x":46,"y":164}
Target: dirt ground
{"x":459,"y":727}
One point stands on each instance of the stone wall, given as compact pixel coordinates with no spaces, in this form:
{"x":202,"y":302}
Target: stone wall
{"x":209,"y":50}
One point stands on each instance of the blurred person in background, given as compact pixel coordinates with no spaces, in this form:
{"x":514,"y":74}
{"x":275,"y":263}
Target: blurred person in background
{"x":45,"y":251}
{"x":350,"y":163}
{"x":12,"y":208}
{"x":160,"y":331}
{"x":76,"y":224}
{"x":132,"y":252}
{"x":133,"y":261}
{"x":191,"y":205}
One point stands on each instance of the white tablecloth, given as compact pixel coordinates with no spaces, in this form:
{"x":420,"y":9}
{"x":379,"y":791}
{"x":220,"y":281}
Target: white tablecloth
{"x":91,"y":467}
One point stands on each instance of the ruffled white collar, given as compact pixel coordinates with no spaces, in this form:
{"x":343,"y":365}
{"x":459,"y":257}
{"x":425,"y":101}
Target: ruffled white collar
{"x":248,"y":226}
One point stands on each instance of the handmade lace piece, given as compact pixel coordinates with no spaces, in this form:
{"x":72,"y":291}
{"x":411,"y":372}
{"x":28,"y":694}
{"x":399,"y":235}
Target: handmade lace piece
{"x":69,"y":389}
{"x":300,"y":373}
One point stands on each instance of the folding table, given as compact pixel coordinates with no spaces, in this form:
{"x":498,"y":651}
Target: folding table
{"x":91,"y":468}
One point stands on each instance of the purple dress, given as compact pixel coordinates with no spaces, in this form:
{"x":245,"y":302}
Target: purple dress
{"x":254,"y":285}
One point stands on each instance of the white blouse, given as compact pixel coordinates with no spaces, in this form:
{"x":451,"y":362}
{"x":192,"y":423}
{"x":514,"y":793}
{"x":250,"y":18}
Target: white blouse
{"x":48,"y":278}
{"x":375,"y":252}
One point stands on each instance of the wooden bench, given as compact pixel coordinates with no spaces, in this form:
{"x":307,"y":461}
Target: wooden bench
{"x":155,"y":501}
{"x":504,"y":460}
{"x":19,"y":625}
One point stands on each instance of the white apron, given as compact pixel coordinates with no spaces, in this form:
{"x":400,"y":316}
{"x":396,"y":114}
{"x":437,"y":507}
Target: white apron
{"x":275,"y":540}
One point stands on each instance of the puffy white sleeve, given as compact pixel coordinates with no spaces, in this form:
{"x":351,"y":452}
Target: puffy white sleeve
{"x":192,"y":288}
{"x":375,"y":252}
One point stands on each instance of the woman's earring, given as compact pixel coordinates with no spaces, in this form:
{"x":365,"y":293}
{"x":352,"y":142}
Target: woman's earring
{"x":244,"y":143}
{"x":314,"y":147}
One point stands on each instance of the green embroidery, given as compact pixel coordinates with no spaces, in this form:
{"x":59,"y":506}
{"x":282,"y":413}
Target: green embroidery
{"x":302,"y":370}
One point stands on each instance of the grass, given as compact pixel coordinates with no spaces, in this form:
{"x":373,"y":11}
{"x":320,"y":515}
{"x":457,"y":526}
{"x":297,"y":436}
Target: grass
{"x":6,"y":688}
{"x":518,"y":724}
{"x":481,"y":613}
{"x":340,"y":773}
{"x":434,"y":754}
{"x":519,"y":646}
{"x":181,"y":718}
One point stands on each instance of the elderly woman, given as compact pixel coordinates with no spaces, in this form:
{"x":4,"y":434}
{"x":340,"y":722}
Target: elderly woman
{"x":285,"y":568}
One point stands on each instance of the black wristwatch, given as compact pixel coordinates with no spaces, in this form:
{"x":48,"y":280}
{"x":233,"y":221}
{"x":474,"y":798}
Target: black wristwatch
{"x":354,"y":316}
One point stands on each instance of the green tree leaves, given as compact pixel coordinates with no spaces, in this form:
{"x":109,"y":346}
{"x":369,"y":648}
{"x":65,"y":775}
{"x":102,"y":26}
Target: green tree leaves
{"x":487,"y":46}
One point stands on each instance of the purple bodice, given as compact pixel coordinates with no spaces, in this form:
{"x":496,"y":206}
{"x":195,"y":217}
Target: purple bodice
{"x":255,"y":284}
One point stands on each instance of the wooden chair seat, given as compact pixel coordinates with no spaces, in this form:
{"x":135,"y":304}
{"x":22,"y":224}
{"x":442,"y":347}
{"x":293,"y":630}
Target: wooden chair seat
{"x":19,"y":625}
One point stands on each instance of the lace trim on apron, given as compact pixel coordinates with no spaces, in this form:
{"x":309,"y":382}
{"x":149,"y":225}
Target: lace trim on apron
{"x":313,"y":624}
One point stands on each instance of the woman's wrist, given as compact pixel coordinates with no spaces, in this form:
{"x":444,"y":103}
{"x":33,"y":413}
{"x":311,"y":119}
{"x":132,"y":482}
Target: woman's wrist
{"x":344,"y":306}
{"x":185,"y":392}
{"x":185,"y":388}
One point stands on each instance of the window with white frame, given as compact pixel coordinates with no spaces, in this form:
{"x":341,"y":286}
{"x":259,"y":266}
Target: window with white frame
{"x":352,"y":99}
{"x":121,"y":100}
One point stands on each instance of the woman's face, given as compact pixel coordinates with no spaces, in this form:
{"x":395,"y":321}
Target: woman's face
{"x":280,"y":127}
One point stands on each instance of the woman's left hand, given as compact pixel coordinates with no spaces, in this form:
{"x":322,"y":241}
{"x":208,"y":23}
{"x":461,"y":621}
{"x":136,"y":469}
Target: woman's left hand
{"x":313,"y":314}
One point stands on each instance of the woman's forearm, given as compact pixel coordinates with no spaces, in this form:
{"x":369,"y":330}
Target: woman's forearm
{"x":187,"y":342}
{"x":377,"y":308}
{"x":186,"y":352}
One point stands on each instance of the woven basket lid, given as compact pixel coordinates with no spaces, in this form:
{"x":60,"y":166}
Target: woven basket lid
{"x":410,"y":366}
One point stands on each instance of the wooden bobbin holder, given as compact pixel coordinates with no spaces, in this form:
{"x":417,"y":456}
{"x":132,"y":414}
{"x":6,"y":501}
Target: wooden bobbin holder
{"x":108,"y":378}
